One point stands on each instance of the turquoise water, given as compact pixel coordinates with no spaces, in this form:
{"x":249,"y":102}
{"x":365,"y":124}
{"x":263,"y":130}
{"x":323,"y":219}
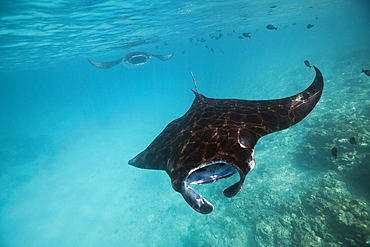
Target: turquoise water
{"x":68,"y":129}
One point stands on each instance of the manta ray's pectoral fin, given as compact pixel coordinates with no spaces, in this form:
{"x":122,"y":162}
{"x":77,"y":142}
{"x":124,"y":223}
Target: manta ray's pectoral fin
{"x":283,"y":113}
{"x":234,"y":189}
{"x":195,"y":200}
{"x":106,"y":65}
{"x":162,"y":57}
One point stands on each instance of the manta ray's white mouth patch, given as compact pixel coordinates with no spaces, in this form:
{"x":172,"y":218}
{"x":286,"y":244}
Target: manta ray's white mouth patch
{"x":139,"y":59}
{"x":210,"y":173}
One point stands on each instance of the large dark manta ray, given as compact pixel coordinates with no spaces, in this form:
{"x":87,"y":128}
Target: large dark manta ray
{"x":217,"y":137}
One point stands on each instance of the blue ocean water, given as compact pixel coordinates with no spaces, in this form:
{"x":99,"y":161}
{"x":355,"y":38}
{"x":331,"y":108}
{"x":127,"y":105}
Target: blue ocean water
{"x":68,"y":129}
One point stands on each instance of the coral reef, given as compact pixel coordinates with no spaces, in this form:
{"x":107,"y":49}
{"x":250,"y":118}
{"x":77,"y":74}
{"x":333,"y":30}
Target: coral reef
{"x":340,"y":213}
{"x":313,"y":198}
{"x":328,"y":215}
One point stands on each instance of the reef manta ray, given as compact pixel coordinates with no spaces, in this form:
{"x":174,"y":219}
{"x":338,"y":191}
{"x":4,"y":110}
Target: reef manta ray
{"x":216,"y":138}
{"x":131,"y":60}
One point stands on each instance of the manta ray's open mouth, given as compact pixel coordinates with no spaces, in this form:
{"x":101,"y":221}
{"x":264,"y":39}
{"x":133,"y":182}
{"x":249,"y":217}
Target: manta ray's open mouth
{"x":210,"y":173}
{"x":139,"y":59}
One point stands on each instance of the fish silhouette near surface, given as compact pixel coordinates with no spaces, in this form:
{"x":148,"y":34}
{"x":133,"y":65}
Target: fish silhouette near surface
{"x":334,"y":152}
{"x":132,"y":59}
{"x":271,"y":27}
{"x":216,"y":139}
{"x":352,"y":140}
{"x":247,"y":35}
{"x":307,"y":63}
{"x":310,"y":26}
{"x":367,"y":71}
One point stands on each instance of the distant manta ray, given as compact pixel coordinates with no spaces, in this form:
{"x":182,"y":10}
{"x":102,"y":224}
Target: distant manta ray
{"x":216,"y":138}
{"x":134,"y":59}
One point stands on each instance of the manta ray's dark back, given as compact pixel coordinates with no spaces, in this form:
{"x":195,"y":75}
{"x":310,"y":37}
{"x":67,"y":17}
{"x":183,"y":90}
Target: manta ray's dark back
{"x":216,"y":137}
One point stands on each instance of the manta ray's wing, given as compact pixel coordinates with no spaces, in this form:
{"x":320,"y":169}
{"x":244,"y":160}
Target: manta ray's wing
{"x":216,"y":136}
{"x":162,"y":57}
{"x":279,"y":114}
{"x":149,"y":158}
{"x":106,"y":65}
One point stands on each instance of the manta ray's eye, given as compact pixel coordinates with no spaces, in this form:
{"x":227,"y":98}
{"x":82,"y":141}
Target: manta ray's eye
{"x":210,"y":173}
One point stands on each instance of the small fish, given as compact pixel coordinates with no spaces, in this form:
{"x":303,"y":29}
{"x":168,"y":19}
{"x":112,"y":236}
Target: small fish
{"x":206,"y":46}
{"x":240,"y":37}
{"x":271,"y":27}
{"x":294,"y":24}
{"x":212,"y":50}
{"x":183,"y":51}
{"x":307,"y":63}
{"x":202,"y":40}
{"x":247,"y":35}
{"x":220,"y":35}
{"x":334,"y":152}
{"x":352,"y":140}
{"x":310,"y":26}
{"x":367,"y":72}
{"x":222,"y":52}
